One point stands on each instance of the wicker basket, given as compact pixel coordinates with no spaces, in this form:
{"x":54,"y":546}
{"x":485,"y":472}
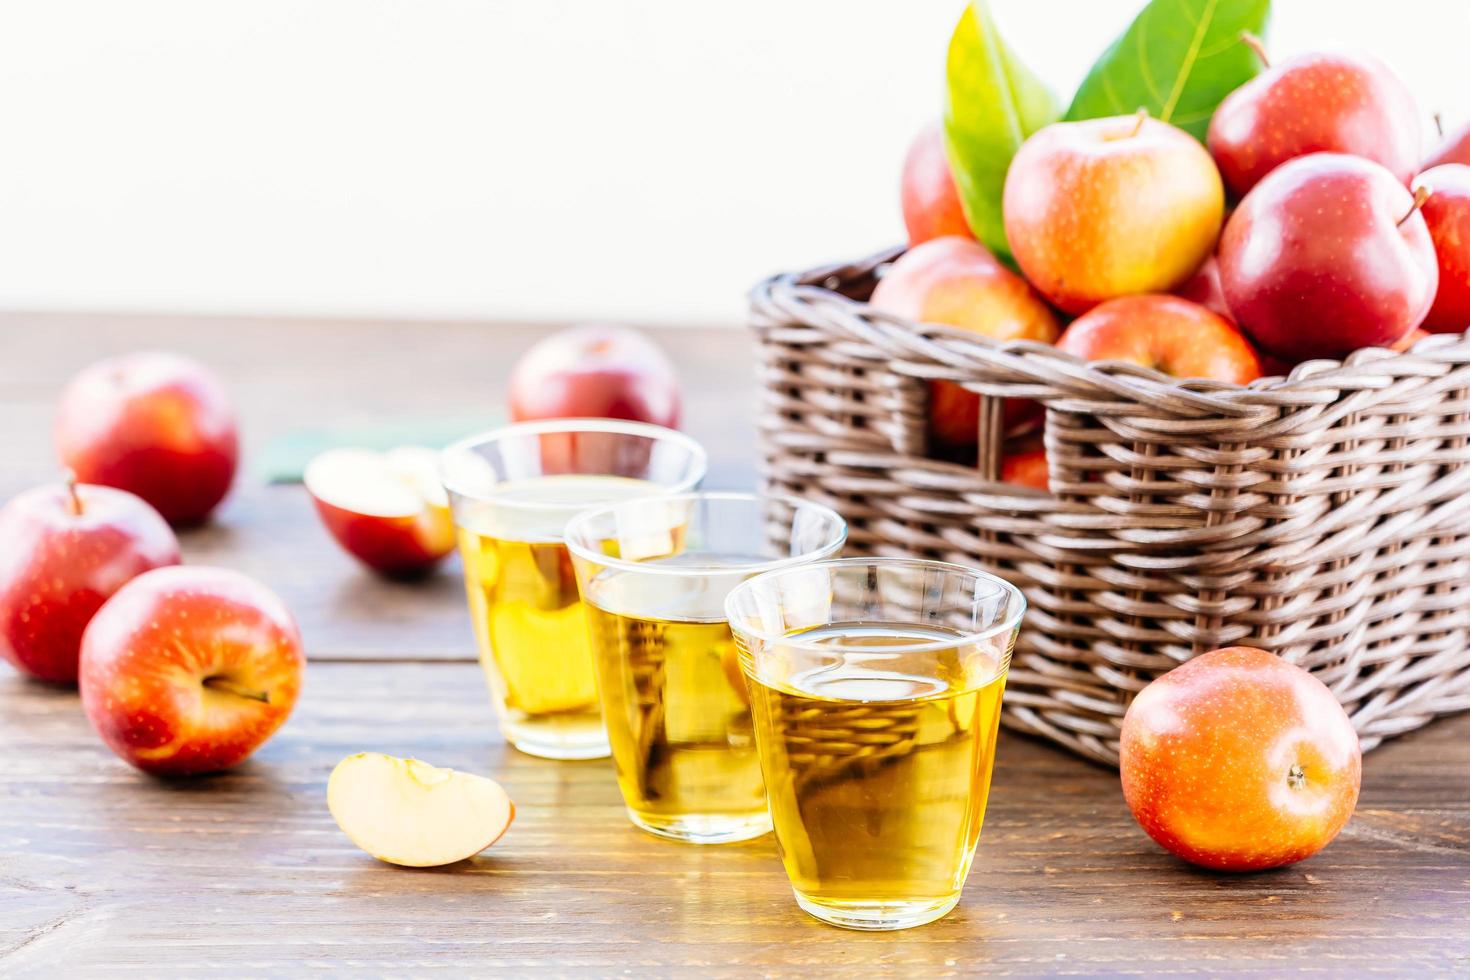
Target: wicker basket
{"x":1324,"y":517}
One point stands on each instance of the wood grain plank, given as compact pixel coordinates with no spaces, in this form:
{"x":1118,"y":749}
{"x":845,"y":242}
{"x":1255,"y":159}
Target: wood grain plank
{"x":245,"y":873}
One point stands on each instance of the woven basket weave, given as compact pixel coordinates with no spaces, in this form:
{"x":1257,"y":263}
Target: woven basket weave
{"x":1325,"y":517}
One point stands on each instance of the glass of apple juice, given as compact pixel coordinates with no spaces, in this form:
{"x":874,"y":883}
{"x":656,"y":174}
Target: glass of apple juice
{"x":875,"y":685}
{"x":654,"y":574}
{"x":512,"y":492}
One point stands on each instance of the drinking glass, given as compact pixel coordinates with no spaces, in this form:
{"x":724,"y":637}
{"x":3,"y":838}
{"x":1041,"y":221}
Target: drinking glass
{"x":875,"y":685}
{"x":513,"y":491}
{"x":654,"y":575}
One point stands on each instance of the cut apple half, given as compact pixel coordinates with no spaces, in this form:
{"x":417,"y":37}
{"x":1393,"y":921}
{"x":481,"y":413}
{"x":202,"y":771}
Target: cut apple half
{"x":410,"y":813}
{"x":388,"y":510}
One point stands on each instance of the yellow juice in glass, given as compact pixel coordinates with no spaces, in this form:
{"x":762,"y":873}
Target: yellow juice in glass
{"x":877,"y":767}
{"x":529,"y":620}
{"x":675,"y":702}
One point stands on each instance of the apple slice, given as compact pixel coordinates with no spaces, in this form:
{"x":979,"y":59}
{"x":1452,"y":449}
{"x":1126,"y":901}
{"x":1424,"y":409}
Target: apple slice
{"x":410,"y":813}
{"x":388,"y":510}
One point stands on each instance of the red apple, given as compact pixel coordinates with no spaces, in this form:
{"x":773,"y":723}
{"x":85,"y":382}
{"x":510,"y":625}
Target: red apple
{"x":388,"y":510}
{"x":1327,"y":254}
{"x":190,"y":669}
{"x":1169,"y":334}
{"x":1204,"y":288}
{"x":1333,"y":102}
{"x":65,"y":551}
{"x":931,"y":202}
{"x":1239,"y":761}
{"x":1110,"y":207}
{"x":1447,"y":214}
{"x":1454,"y":148}
{"x":957,"y":282}
{"x":596,"y":371}
{"x":1024,"y":464}
{"x":155,"y":424}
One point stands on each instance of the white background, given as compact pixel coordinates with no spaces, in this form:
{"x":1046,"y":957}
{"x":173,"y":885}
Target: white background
{"x":543,"y":159}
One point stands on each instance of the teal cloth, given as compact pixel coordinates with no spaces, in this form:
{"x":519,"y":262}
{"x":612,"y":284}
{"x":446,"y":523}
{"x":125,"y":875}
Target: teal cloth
{"x":284,"y":458}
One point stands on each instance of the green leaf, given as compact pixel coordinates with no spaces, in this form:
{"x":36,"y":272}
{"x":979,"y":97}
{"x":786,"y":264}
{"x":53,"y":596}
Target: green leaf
{"x":1177,"y":59}
{"x":992,"y":103}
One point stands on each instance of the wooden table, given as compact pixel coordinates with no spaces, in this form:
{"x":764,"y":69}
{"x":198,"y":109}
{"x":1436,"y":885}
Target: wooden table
{"x":105,"y":871}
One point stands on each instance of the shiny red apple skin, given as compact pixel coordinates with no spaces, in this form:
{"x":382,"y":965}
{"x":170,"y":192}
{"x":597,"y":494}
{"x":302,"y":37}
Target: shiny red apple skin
{"x":398,"y":547}
{"x":60,"y":560}
{"x":1239,"y":761}
{"x":148,"y":652}
{"x":1024,"y":464}
{"x":957,"y":282}
{"x":1204,"y":288}
{"x":596,"y":371}
{"x":155,"y":424}
{"x":1169,"y":334}
{"x":1111,"y":207}
{"x":1321,"y":102}
{"x":930,"y":199}
{"x":1454,"y":148}
{"x":1315,"y":263}
{"x":1447,"y":213}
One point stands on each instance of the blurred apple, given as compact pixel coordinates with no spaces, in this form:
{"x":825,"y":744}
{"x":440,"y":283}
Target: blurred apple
{"x":190,"y":669}
{"x":1166,"y":333}
{"x":957,"y":282}
{"x":1454,"y":148}
{"x":388,"y":510}
{"x":155,"y":424}
{"x":931,"y":202}
{"x":1447,"y":214}
{"x":1327,"y":101}
{"x":409,"y":813}
{"x":596,"y":371}
{"x":63,"y":551}
{"x":1110,"y":207}
{"x":1024,"y":463}
{"x":1327,"y":254}
{"x":1239,"y":761}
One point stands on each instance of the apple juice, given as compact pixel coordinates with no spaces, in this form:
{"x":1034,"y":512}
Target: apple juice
{"x":675,"y":702}
{"x":529,"y":620}
{"x":878,"y":766}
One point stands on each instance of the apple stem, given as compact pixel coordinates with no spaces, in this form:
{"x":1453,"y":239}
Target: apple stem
{"x":228,"y":686}
{"x":1421,"y":194}
{"x":1439,"y":125}
{"x":1256,"y":45}
{"x":1139,"y":120}
{"x":76,"y":497}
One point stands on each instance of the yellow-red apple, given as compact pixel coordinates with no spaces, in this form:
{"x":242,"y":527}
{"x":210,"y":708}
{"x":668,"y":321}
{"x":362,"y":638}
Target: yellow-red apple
{"x":407,"y":812}
{"x":1166,"y":333}
{"x":1239,"y":761}
{"x":1024,"y":463}
{"x":1447,"y":215}
{"x":957,"y":282}
{"x":63,"y":551}
{"x":931,"y":202}
{"x":1110,"y":207}
{"x":388,"y":510}
{"x":155,"y":424}
{"x":190,"y":669}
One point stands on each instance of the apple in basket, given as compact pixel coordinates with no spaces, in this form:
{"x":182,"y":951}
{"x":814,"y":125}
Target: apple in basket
{"x":1239,"y":761}
{"x":1166,"y":333}
{"x":927,"y":192}
{"x":957,"y":282}
{"x":1109,"y":207}
{"x":1327,"y":254}
{"x":1447,"y":215}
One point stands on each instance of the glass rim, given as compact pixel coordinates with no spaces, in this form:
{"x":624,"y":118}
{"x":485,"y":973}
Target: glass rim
{"x":538,"y":427}
{"x":829,"y":546}
{"x":1011,"y":622}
